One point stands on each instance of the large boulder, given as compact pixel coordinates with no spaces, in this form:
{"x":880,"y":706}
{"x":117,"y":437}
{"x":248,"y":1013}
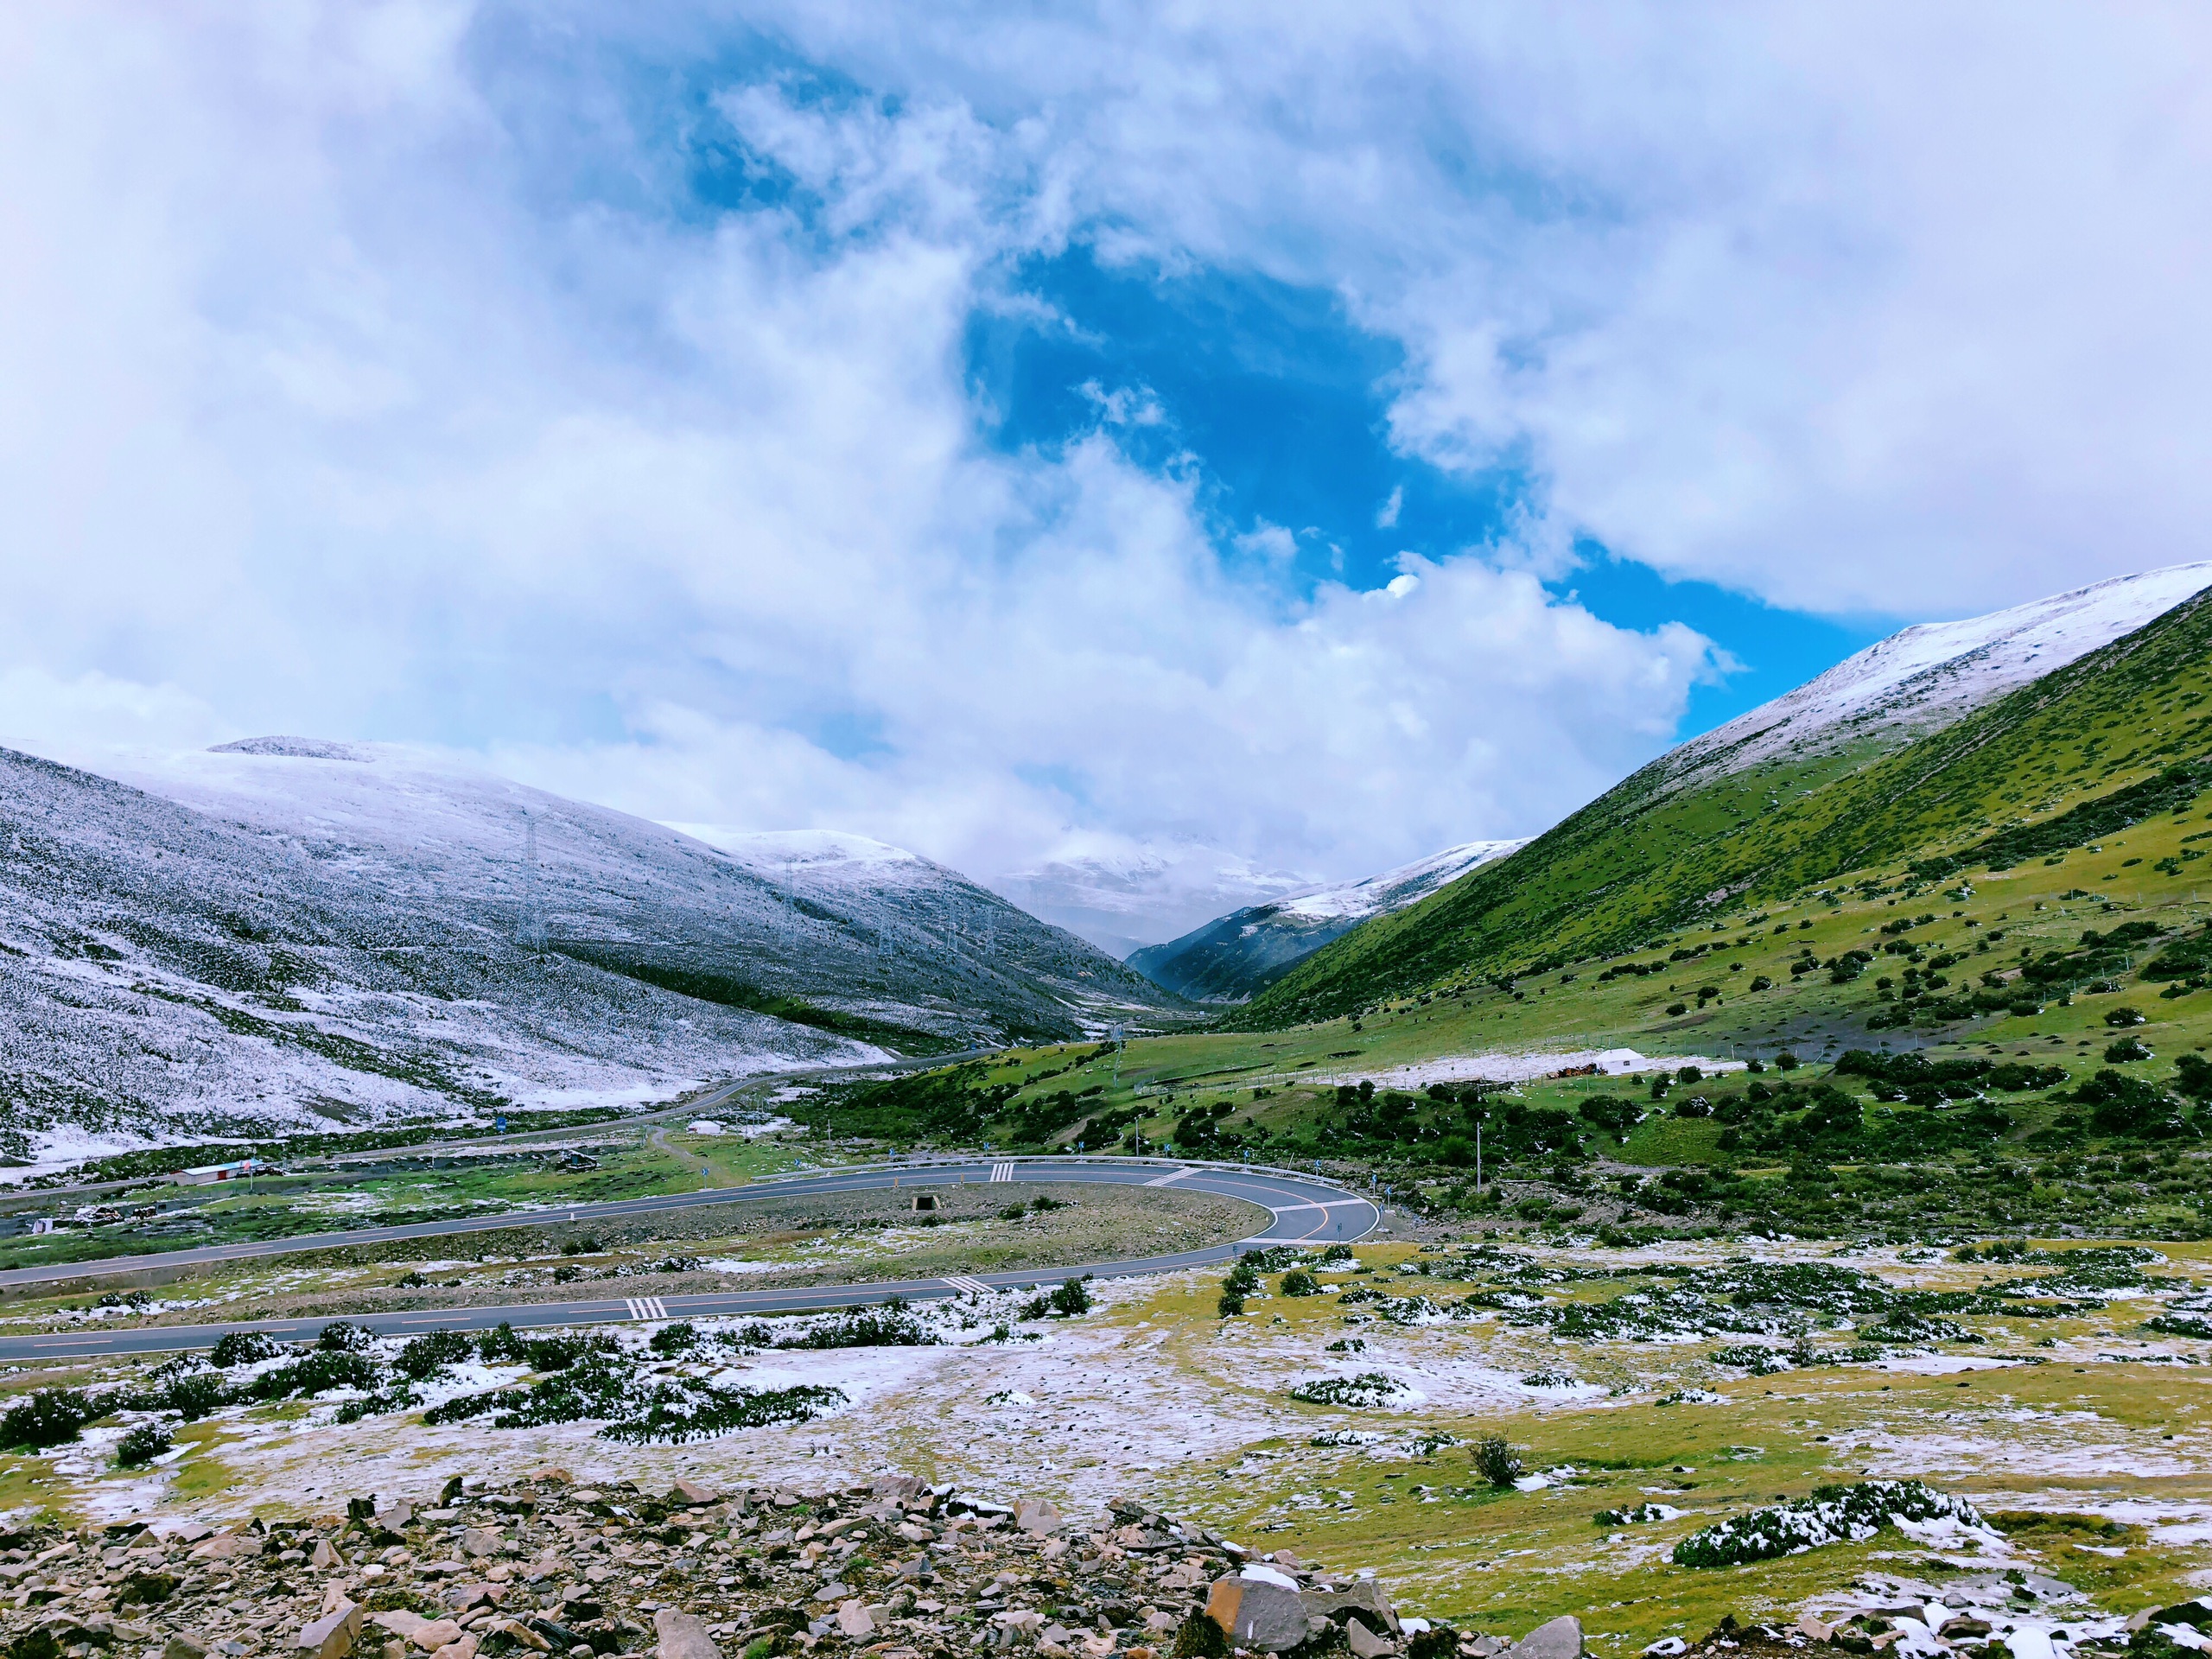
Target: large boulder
{"x":1255,"y":1613}
{"x":1037,"y":1514}
{"x":1363,"y":1596}
{"x":1558,"y":1638}
{"x":683,"y":1636}
{"x":331,"y":1636}
{"x":854,"y":1621}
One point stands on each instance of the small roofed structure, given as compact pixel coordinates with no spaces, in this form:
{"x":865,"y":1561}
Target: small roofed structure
{"x":207,"y":1174}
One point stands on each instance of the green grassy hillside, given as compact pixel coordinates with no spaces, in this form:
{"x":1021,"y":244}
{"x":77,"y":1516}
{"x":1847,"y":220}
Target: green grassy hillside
{"x":1652,"y":856}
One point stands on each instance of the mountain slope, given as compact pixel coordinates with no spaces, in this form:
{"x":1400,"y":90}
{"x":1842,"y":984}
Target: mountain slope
{"x":833,"y":930}
{"x":1235,"y":956}
{"x":290,"y":935}
{"x":167,"y":976}
{"x":1736,"y":817}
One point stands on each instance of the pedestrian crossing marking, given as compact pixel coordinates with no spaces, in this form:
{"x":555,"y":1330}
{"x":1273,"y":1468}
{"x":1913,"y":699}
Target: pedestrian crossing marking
{"x":1002,"y":1171}
{"x":967,"y":1286}
{"x":647,"y":1307}
{"x":1172,"y":1176}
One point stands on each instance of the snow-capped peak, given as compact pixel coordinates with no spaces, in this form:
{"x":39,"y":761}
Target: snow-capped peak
{"x":1394,"y":889}
{"x":1926,"y":677}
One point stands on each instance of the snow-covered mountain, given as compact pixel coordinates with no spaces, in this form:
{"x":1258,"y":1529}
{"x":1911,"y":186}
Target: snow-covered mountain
{"x":1235,"y":956}
{"x":1922,"y":678}
{"x":1120,"y":898}
{"x":287,"y":933}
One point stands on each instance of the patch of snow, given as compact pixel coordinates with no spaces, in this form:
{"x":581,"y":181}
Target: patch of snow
{"x":1504,"y":1067}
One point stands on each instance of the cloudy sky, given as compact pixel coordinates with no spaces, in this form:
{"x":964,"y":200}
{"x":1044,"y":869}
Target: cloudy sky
{"x":1179,"y":446}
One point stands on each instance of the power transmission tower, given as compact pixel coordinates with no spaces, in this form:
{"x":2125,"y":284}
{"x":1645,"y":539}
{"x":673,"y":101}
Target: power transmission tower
{"x":533,"y":910}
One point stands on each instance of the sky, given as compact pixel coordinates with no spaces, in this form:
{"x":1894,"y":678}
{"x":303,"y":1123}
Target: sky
{"x":1148,"y":457}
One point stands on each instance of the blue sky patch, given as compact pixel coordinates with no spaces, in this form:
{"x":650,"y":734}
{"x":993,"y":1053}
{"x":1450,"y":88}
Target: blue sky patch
{"x":1278,"y":402}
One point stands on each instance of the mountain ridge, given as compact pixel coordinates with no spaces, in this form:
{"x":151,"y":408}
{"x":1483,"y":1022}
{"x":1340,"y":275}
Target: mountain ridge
{"x":1657,"y":852}
{"x":1233,"y":957}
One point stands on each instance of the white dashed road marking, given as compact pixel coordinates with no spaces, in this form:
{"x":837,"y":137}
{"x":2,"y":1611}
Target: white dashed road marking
{"x":647,"y":1307}
{"x":967,"y":1286}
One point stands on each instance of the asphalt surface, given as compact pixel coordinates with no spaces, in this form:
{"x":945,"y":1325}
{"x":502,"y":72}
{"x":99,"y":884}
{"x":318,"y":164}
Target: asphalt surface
{"x":1302,"y":1210}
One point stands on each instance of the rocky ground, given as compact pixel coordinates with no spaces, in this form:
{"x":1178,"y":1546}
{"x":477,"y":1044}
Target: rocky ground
{"x":545,"y":1565}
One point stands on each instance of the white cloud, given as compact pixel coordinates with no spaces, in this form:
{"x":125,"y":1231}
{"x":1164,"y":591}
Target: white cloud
{"x":360,"y":403}
{"x":1386,"y":516}
{"x":1883,"y":308}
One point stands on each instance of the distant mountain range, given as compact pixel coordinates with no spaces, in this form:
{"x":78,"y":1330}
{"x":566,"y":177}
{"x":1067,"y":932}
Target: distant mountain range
{"x":1923,"y":743}
{"x":1235,"y":956}
{"x":286,"y":933}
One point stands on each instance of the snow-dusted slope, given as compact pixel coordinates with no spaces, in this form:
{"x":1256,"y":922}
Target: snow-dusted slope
{"x":839,"y":923}
{"x":167,"y":975}
{"x":1922,"y":678}
{"x":287,"y":933}
{"x":1235,"y":956}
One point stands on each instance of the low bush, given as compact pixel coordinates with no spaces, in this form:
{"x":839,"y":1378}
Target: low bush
{"x":1496,"y":1461}
{"x":142,"y":1446}
{"x":1831,"y":1515}
{"x":50,"y":1417}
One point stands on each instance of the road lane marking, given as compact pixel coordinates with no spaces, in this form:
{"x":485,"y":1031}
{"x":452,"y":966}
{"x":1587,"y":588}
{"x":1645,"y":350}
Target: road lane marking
{"x":1172,"y":1176}
{"x":967,"y":1286}
{"x":1002,"y":1171}
{"x":647,"y":1307}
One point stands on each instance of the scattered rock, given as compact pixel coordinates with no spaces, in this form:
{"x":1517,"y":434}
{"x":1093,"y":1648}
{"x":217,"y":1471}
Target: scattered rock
{"x":854,"y":1620}
{"x":1558,"y":1638}
{"x":1256,"y":1613}
{"x":331,"y":1636}
{"x":1363,"y":1642}
{"x":1363,"y":1596}
{"x":683,"y":1635}
{"x":1037,"y":1516}
{"x":182,"y":1646}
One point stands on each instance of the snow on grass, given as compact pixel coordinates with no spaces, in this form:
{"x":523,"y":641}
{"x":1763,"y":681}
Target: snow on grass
{"x":1523,"y":1067}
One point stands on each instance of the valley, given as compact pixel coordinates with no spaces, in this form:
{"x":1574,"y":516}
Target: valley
{"x":1818,"y":1112}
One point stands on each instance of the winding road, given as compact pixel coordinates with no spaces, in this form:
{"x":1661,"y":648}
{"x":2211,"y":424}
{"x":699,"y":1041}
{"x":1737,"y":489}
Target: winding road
{"x":1302,"y":1210}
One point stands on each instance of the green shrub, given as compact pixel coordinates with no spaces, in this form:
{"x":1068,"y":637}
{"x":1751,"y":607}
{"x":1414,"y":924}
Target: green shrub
{"x":193,"y":1395}
{"x":1299,"y":1282}
{"x":50,"y":1417}
{"x":242,"y":1348}
{"x":1496,"y":1461}
{"x":425,"y":1355}
{"x":316,"y":1372}
{"x":142,"y":1446}
{"x":1831,"y":1515}
{"x":1069,"y":1298}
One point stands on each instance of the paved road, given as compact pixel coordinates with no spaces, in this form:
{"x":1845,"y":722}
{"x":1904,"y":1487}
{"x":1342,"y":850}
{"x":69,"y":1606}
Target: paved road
{"x":1301,"y":1210}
